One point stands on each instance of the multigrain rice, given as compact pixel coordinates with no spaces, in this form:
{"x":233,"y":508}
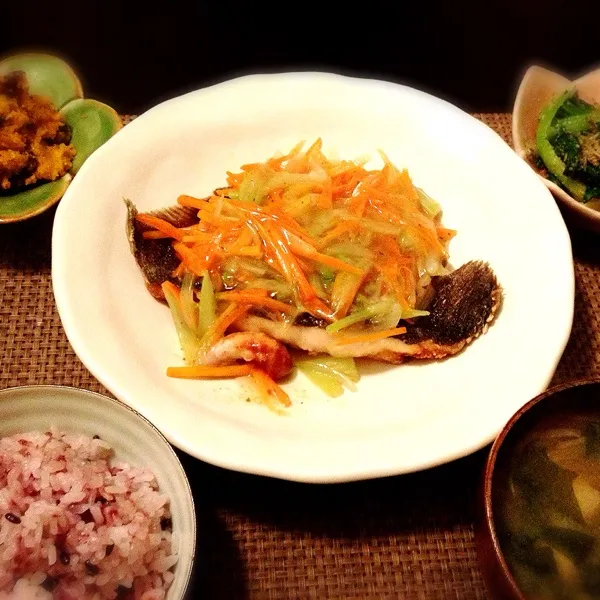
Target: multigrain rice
{"x":77,"y":525}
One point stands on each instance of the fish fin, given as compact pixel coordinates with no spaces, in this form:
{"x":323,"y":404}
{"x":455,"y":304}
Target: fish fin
{"x":465,"y":302}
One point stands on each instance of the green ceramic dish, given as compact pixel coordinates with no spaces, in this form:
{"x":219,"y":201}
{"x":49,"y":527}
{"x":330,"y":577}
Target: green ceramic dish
{"x":92,"y":124}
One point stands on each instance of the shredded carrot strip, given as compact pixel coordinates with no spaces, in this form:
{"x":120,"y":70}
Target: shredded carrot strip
{"x":347,"y":170}
{"x":179,"y":271}
{"x":275,"y":163}
{"x":153,"y":234}
{"x":215,"y":203}
{"x":203,"y":372}
{"x":293,"y":226}
{"x":199,"y":236}
{"x":207,"y":217}
{"x":254,"y":291}
{"x":391,"y":252}
{"x":445,"y":234}
{"x":273,"y":253}
{"x":249,"y":166}
{"x":409,"y":187}
{"x":227,"y":318}
{"x":161,"y":225}
{"x":170,"y":287}
{"x":245,"y":239}
{"x":325,"y":199}
{"x":248,"y":251}
{"x":268,"y":389}
{"x":307,"y":266}
{"x":388,"y":264}
{"x":258,"y":212}
{"x":380,"y":194}
{"x":339,"y":230}
{"x":386,"y":211}
{"x":371,"y":337}
{"x":256,"y":299}
{"x":345,"y":188}
{"x":325,"y":259}
{"x":292,"y":271}
{"x":229,"y":233}
{"x":358,"y":204}
{"x":288,"y":261}
{"x":234,"y":179}
{"x":196,"y":263}
{"x":185,"y":200}
{"x":274,"y":200}
{"x":314,"y":149}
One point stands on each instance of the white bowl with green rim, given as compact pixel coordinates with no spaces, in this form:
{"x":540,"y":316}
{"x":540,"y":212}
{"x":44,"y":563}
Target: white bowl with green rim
{"x":91,"y":122}
{"x":134,"y":441}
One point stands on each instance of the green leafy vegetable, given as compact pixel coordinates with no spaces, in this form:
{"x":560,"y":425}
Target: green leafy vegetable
{"x":547,"y":152}
{"x":574,"y":543}
{"x":576,"y":123}
{"x":568,"y":145}
{"x":545,"y":486}
{"x":530,"y":552}
{"x":573,"y":106}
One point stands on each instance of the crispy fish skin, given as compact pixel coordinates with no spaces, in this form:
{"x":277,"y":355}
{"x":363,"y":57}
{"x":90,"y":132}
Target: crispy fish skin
{"x":465,"y":303}
{"x":156,"y":258}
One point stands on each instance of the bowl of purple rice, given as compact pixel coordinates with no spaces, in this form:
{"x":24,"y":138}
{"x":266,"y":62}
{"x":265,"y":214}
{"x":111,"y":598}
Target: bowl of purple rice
{"x":94,"y":502}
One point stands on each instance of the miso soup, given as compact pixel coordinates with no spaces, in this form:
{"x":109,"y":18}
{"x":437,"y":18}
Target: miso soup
{"x":547,"y":508}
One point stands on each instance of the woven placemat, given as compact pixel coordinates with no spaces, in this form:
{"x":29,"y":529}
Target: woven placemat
{"x":400,"y":537}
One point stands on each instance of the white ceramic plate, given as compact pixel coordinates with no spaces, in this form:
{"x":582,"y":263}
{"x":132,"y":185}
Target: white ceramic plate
{"x":134,"y":440}
{"x":402,"y":418}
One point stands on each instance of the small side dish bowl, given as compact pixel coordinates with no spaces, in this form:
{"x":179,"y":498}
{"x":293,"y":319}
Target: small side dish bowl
{"x":538,"y":86}
{"x":538,"y":529}
{"x":134,"y":440}
{"x":90,"y":123}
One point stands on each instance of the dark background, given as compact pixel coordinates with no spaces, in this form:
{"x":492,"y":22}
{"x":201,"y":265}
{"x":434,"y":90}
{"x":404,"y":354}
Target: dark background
{"x":134,"y":54}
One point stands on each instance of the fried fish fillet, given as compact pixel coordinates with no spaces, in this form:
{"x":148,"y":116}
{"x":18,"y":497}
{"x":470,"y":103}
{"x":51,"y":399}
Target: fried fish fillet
{"x":464,"y":303}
